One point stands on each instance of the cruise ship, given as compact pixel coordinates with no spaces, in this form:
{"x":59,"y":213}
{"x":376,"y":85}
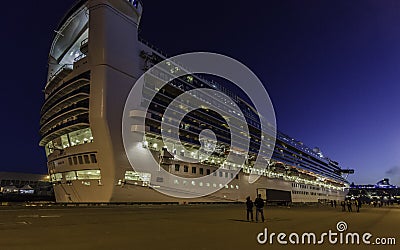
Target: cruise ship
{"x":95,"y":59}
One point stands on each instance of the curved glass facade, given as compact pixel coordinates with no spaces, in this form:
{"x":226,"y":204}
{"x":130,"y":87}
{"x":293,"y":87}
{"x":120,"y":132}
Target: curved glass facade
{"x":71,"y":139}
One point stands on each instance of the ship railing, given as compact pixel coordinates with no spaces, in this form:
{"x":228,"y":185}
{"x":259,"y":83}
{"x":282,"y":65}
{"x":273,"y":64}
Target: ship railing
{"x":151,"y":46}
{"x":82,"y":118}
{"x":76,"y":110}
{"x":64,"y":67}
{"x":56,"y":77}
{"x":210,"y":83}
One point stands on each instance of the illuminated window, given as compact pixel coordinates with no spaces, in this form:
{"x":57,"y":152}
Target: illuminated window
{"x":189,"y":79}
{"x":49,"y":148}
{"x":64,"y":141}
{"x":70,"y":176}
{"x":56,"y":177}
{"x":81,"y":136}
{"x":88,"y":174}
{"x":137,"y":176}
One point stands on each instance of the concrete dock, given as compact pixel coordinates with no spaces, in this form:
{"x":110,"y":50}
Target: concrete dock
{"x":187,"y":227}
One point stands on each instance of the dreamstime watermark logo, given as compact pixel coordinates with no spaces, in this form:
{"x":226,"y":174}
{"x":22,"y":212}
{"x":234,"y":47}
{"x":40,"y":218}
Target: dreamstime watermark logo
{"x":169,"y":94}
{"x":333,"y":237}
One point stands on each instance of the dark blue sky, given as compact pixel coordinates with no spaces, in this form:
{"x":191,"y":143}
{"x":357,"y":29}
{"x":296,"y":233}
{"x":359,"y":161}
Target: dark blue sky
{"x":332,"y":69}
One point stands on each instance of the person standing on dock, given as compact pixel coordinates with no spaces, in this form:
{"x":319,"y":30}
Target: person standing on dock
{"x":343,"y":204}
{"x":358,"y":205}
{"x":349,"y":208}
{"x":249,"y":205}
{"x":259,"y":202}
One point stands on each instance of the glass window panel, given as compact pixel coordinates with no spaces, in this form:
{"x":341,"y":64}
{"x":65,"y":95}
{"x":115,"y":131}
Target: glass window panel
{"x":57,"y":143}
{"x":81,"y":136}
{"x":58,"y":176}
{"x":93,"y":158}
{"x":177,"y":166}
{"x":70,"y":176}
{"x":80,"y":159}
{"x":49,"y":148}
{"x":86,"y":158}
{"x":137,"y":176}
{"x":88,"y":174}
{"x":64,"y":141}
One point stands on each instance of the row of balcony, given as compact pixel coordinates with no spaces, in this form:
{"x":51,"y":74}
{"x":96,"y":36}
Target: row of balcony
{"x":76,"y":123}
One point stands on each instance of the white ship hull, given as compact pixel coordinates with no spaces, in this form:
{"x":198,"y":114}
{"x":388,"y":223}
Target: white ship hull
{"x":86,"y":157}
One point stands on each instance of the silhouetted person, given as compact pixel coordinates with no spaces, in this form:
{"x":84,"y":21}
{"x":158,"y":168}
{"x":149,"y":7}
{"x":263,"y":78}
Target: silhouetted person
{"x":343,"y":204}
{"x":349,"y":208}
{"x":334,"y":203}
{"x":249,"y":206}
{"x":331,"y":203}
{"x":259,"y":202}
{"x":358,"y":205}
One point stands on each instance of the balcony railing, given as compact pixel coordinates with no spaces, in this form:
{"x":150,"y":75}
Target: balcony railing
{"x":80,"y":105}
{"x":56,"y":78}
{"x":62,"y":105}
{"x":69,"y":89}
{"x":80,"y":122}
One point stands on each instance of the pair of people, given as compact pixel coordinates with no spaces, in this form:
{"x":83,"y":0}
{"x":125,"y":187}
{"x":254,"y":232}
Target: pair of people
{"x":259,"y":203}
{"x":349,"y":205}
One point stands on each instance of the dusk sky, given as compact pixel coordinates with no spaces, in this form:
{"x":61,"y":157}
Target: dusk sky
{"x":331,"y":68}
